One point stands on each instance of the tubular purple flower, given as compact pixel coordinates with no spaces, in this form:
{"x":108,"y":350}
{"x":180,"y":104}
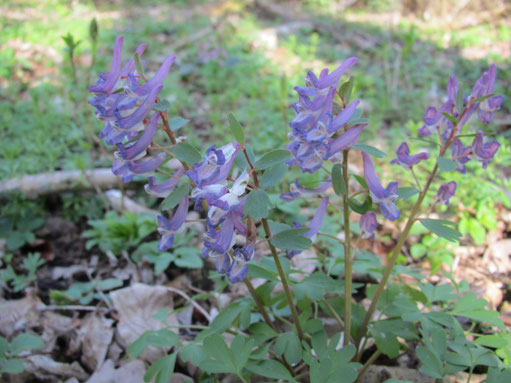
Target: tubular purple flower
{"x":342,"y":118}
{"x":483,"y":87}
{"x":385,"y":197}
{"x":488,"y":107}
{"x":314,"y":225}
{"x":296,"y":190}
{"x":405,"y":159}
{"x":445,"y":192}
{"x":167,"y":228}
{"x":461,"y":155}
{"x":484,"y":152}
{"x":368,"y":225}
{"x":332,"y":79}
{"x":346,"y":140}
{"x":135,"y":149}
{"x":163,"y":190}
{"x":317,"y":220}
{"x":239,"y":267}
{"x":314,"y":86}
{"x":134,"y":121}
{"x":147,"y":166}
{"x":107,"y":81}
{"x":129,"y":67}
{"x":158,"y":78}
{"x":215,"y":167}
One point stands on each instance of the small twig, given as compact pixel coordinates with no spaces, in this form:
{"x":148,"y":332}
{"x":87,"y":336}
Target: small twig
{"x":194,"y":304}
{"x":70,"y":308}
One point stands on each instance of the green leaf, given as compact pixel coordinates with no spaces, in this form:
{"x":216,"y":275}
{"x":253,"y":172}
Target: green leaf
{"x":160,"y":338}
{"x":361,"y":181}
{"x":186,"y":152}
{"x":346,"y":89}
{"x":223,"y":361}
{"x":12,"y":366}
{"x":24,"y":342}
{"x":258,"y":204}
{"x":494,"y":341}
{"x":272,"y":158}
{"x":482,"y":98}
{"x":138,"y":65}
{"x":406,"y":192}
{"x":316,"y":285}
{"x":16,"y":240}
{"x":432,"y":365}
{"x":176,"y":196}
{"x":162,"y":369}
{"x":176,"y":123}
{"x":289,"y":345}
{"x":273,"y":175}
{"x":442,"y":228}
{"x":270,"y":368}
{"x":446,"y":164}
{"x":226,"y":317}
{"x":450,"y":118}
{"x":292,"y":240}
{"x":236,"y":129}
{"x":360,"y":208}
{"x":188,"y":257}
{"x":162,"y":106}
{"x":338,"y":179}
{"x":370,"y":150}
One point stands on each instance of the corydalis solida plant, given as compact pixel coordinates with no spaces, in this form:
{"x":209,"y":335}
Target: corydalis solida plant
{"x":325,"y":131}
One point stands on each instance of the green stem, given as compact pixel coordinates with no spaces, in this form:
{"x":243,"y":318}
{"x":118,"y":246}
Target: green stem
{"x":368,"y":363}
{"x":404,"y":234}
{"x":259,"y":303}
{"x":347,"y":253}
{"x":395,"y":255}
{"x":283,"y":278}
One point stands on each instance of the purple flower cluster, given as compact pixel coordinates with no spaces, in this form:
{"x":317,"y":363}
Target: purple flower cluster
{"x":226,"y":211}
{"x":314,"y":135}
{"x":482,"y":100}
{"x":124,"y":105}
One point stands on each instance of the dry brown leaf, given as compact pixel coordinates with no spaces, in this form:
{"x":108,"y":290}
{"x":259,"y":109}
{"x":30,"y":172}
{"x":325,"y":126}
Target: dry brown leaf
{"x":15,"y":315}
{"x":132,"y":372}
{"x":136,"y":306}
{"x":45,"y":368}
{"x":95,"y":334}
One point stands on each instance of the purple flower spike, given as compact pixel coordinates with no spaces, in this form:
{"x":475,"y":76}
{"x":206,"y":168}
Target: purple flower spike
{"x":445,"y":192}
{"x":405,"y":159}
{"x":385,"y":197}
{"x":163,"y":190}
{"x":368,"y":225}
{"x":483,"y":87}
{"x":167,"y":228}
{"x":241,"y":259}
{"x":461,"y":155}
{"x":107,"y":81}
{"x":484,"y":152}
